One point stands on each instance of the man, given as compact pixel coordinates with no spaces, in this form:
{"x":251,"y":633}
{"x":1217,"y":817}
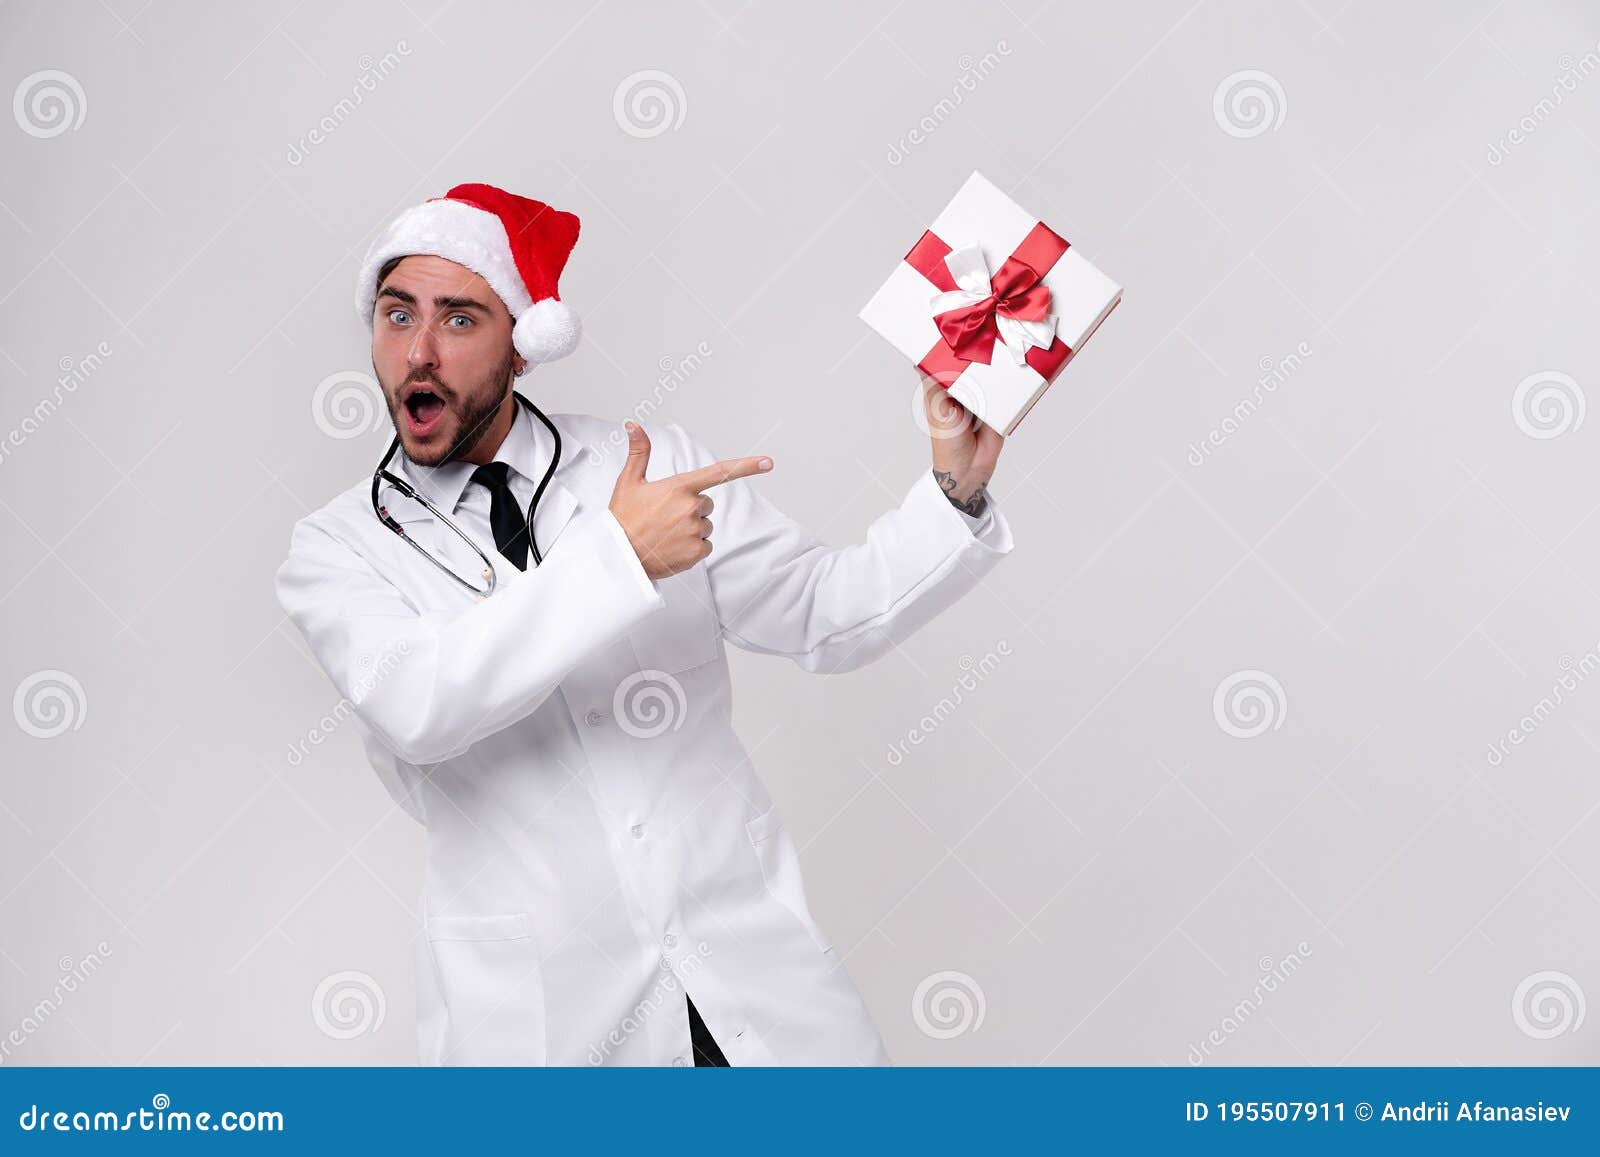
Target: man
{"x":607,"y":881}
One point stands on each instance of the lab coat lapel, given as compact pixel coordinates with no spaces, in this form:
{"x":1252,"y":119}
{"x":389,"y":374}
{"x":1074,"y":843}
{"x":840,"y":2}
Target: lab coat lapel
{"x":560,"y":502}
{"x":556,"y":509}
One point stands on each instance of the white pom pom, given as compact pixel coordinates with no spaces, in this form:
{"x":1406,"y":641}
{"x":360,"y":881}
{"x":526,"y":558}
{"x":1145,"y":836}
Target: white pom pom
{"x":547,"y":330}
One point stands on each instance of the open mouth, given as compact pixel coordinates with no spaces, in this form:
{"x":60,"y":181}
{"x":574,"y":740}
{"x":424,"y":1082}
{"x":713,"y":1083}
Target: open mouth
{"x":424,"y":409}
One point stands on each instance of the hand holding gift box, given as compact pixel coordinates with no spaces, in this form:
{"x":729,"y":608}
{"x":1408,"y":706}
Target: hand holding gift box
{"x":991,"y":303}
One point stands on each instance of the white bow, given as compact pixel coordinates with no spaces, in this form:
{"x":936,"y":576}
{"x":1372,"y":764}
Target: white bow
{"x":971,"y":274}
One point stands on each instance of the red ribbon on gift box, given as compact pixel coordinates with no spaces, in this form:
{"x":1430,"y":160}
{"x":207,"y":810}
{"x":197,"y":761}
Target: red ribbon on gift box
{"x":969,"y":334}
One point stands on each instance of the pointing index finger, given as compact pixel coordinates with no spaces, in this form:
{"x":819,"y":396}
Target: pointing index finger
{"x":725,"y":471}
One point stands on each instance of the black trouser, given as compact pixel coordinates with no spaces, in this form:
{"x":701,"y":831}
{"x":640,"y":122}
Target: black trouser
{"x":706,"y":1051}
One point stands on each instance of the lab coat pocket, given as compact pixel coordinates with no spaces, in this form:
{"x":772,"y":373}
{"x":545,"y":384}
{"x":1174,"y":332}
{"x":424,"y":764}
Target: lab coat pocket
{"x":492,"y":988}
{"x":780,"y":868}
{"x":686,"y":632}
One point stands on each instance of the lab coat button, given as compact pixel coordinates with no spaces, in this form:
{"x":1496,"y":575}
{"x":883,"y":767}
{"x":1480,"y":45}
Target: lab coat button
{"x":670,"y":941}
{"x":680,"y":1061}
{"x":594,"y":718}
{"x":638,"y":831}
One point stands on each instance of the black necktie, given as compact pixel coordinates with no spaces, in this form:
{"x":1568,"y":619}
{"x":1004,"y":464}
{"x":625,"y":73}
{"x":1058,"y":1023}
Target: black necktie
{"x":707,"y":1054}
{"x":506,"y":518}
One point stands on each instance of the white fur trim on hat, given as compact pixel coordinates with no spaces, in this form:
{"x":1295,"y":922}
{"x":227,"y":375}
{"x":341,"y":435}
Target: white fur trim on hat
{"x":547,"y":330}
{"x":456,"y":231}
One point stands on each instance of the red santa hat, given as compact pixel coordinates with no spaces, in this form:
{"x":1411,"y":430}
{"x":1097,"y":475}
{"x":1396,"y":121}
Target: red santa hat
{"x":518,"y":245}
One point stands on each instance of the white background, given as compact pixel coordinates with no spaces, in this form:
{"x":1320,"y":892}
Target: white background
{"x":1082,"y":840}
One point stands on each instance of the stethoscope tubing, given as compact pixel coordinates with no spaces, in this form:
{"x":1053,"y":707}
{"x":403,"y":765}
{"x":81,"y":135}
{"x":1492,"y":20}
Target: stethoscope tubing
{"x":382,"y":474}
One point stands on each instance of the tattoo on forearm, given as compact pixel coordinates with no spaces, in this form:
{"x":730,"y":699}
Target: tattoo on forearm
{"x":975,"y":504}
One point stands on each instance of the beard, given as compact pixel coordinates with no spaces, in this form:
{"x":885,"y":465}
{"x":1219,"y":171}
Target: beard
{"x":473,"y":408}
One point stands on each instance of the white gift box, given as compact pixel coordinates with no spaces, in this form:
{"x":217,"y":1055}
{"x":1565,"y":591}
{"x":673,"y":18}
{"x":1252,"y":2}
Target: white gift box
{"x":975,"y":274}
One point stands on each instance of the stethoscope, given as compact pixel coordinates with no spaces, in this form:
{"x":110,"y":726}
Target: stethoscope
{"x":382,"y":475}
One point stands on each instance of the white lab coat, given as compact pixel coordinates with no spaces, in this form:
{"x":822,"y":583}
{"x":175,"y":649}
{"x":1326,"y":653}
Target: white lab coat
{"x":597,"y":839}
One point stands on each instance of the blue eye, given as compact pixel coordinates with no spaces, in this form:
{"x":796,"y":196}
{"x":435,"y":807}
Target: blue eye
{"x":461,"y":317}
{"x":398,"y":313}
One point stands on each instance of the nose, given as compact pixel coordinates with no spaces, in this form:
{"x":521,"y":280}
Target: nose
{"x":423,"y":352}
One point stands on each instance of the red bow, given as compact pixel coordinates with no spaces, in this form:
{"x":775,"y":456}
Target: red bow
{"x":969,"y":333}
{"x":1015,"y":292}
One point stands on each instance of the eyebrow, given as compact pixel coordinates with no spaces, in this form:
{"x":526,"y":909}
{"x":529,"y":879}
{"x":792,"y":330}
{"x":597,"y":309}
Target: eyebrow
{"x":439,"y":302}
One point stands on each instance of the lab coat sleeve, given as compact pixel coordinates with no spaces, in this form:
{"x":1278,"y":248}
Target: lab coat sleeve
{"x":981,"y":522}
{"x":780,"y":590}
{"x":431,"y":685}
